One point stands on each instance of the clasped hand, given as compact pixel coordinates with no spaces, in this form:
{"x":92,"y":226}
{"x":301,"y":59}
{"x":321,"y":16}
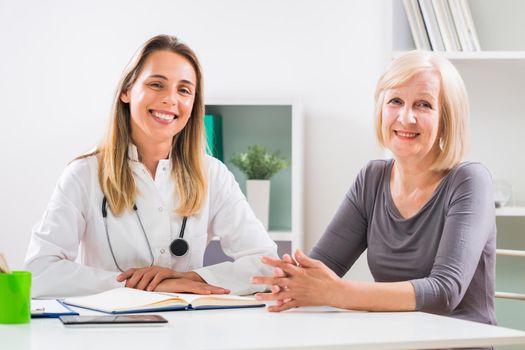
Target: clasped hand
{"x":301,"y":281}
{"x":162,"y":279}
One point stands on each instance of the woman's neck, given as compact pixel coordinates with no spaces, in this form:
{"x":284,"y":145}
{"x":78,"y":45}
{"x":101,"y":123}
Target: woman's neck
{"x":412,"y":185}
{"x":408,"y":177}
{"x":151,"y":153}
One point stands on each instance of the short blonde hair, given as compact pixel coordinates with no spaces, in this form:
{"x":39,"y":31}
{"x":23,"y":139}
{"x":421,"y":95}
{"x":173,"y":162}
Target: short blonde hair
{"x":453,"y":102}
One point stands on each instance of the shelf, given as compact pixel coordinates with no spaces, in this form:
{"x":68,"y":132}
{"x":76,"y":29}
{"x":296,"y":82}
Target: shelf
{"x":274,"y":235}
{"x":482,"y":55}
{"x":510,"y":211}
{"x":280,"y":235}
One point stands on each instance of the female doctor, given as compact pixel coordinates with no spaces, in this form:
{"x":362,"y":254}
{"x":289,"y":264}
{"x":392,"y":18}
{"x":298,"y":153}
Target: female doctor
{"x":140,"y":210}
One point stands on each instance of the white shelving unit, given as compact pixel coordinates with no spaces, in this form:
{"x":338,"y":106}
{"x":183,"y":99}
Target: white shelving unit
{"x":494,"y":78}
{"x":294,"y":233}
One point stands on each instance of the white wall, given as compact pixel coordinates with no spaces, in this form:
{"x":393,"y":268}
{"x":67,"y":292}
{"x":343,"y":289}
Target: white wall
{"x":60,"y":61}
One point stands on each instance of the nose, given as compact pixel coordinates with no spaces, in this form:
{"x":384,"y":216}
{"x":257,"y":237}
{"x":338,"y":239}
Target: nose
{"x":406,"y":116}
{"x":171,"y":97}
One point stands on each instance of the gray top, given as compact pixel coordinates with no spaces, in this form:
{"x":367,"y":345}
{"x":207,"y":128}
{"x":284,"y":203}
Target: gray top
{"x":447,"y":250}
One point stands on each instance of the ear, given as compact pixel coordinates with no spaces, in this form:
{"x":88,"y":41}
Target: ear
{"x":124,"y":97}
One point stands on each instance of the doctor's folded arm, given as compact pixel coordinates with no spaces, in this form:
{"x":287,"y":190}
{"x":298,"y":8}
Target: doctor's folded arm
{"x":140,"y":210}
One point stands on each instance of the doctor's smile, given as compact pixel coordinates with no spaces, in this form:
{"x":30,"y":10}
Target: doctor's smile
{"x":164,"y":117}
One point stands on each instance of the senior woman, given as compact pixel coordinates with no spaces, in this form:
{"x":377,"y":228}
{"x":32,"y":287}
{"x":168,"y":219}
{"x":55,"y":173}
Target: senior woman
{"x":425,"y":216}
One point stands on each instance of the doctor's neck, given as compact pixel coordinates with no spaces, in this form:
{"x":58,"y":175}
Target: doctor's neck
{"x":151,"y":152}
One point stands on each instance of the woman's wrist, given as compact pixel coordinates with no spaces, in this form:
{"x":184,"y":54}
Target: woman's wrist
{"x":192,"y":275}
{"x":341,"y":294}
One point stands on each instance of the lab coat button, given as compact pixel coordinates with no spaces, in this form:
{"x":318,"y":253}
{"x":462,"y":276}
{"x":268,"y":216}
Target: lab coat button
{"x":162,"y":251}
{"x":161,"y":209}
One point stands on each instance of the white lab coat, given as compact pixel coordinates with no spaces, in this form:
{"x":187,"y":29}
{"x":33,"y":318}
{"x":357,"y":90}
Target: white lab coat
{"x":69,"y":253}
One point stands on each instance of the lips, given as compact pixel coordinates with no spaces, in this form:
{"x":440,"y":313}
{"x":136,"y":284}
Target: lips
{"x":164,"y":117}
{"x":406,"y":134}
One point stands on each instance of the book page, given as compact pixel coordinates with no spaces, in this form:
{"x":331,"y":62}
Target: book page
{"x":121,"y":299}
{"x":218,"y":300}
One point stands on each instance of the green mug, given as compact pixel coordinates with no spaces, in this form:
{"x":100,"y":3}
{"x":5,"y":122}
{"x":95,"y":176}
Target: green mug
{"x":15,"y":297}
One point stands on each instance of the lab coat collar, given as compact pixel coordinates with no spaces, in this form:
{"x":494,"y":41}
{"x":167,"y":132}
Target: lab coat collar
{"x":133,"y":155}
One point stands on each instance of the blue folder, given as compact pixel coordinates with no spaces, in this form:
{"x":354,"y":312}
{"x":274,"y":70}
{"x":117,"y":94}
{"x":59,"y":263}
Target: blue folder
{"x":50,"y":308}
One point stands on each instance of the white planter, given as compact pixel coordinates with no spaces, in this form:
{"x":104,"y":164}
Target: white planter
{"x":258,"y":195}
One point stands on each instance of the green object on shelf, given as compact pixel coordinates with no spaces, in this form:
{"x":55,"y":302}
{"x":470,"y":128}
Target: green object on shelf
{"x":259,"y":164}
{"x":213,"y":125}
{"x":15,"y":297}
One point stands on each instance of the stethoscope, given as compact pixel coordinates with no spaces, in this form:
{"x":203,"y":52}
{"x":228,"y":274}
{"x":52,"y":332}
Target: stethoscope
{"x":179,"y":247}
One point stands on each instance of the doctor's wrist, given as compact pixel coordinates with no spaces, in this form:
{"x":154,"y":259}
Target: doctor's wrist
{"x":192,"y":275}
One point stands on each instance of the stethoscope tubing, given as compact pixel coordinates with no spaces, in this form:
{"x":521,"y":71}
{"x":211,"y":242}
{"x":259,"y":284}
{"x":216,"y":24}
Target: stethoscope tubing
{"x":180,"y":243}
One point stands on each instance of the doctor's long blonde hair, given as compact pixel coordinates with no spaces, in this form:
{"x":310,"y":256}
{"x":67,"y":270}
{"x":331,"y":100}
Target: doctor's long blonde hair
{"x":114,"y":173}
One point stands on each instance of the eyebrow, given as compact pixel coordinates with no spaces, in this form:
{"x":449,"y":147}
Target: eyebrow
{"x":424,"y":94}
{"x":160,"y":76}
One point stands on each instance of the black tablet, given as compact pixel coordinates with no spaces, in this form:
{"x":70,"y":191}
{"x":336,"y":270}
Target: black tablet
{"x":115,"y":320}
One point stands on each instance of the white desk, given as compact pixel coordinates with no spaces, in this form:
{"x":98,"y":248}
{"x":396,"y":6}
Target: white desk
{"x":310,"y":328}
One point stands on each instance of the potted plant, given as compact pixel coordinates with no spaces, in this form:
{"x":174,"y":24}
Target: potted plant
{"x":259,"y":166}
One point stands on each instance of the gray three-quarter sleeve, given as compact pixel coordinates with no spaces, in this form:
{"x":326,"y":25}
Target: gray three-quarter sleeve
{"x":345,"y":237}
{"x":465,"y":256}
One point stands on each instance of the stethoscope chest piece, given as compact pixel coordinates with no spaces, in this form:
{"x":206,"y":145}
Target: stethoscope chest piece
{"x":179,"y":247}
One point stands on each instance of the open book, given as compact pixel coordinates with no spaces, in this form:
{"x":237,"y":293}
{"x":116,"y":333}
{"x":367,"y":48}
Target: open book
{"x":128,"y":300}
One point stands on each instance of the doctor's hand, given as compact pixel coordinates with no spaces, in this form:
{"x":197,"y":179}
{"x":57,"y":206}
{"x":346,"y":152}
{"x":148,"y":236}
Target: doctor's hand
{"x":142,"y":278}
{"x":148,"y":278}
{"x":183,"y":285}
{"x":307,"y":283}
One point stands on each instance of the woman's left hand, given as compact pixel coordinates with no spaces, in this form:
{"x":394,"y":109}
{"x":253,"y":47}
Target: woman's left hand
{"x":147,"y":278}
{"x":310,"y":282}
{"x":184,"y":285}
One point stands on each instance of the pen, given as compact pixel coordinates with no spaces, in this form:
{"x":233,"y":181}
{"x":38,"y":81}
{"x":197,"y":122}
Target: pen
{"x":4,"y":268}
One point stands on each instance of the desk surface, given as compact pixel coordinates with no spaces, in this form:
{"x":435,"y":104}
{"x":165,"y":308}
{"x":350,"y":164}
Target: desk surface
{"x":308,"y":328}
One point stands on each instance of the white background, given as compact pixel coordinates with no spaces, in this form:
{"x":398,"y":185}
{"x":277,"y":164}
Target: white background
{"x":60,"y":62}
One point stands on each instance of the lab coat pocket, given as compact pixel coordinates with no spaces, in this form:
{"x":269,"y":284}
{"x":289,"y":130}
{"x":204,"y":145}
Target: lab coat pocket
{"x":197,"y":248}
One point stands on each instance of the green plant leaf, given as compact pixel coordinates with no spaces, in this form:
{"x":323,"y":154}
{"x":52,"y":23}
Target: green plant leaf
{"x":258,"y":164}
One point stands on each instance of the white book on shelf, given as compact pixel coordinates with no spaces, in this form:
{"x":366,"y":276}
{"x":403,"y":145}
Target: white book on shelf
{"x":471,"y":29}
{"x":417,"y":25}
{"x":446,"y":25}
{"x":427,"y":10}
{"x":461,"y":25}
